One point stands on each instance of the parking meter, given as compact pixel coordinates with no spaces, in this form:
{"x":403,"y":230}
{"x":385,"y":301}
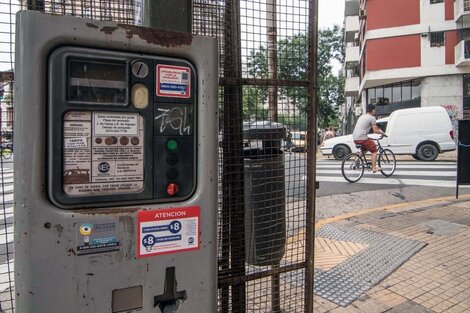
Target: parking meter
{"x":116,"y":169}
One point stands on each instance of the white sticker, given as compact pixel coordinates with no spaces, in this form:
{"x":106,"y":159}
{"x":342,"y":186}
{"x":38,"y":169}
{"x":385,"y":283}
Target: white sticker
{"x":168,"y":231}
{"x":115,"y":124}
{"x":79,"y":142}
{"x":173,"y":81}
{"x":103,"y":153}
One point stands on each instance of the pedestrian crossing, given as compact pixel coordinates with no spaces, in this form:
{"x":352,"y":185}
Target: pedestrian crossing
{"x":413,"y":173}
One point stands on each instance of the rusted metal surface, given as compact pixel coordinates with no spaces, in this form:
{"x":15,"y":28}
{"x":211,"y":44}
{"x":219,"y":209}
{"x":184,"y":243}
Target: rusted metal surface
{"x":311,"y":155}
{"x":158,"y":36}
{"x":233,"y":243}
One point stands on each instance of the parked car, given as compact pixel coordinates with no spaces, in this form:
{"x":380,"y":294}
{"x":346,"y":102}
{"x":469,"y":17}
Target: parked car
{"x":299,"y":141}
{"x":422,"y":133}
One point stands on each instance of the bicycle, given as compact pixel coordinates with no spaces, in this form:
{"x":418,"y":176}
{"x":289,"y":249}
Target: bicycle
{"x":355,"y":163}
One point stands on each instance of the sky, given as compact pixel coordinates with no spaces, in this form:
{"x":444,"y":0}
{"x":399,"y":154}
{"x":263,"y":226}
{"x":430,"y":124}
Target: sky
{"x":330,"y":12}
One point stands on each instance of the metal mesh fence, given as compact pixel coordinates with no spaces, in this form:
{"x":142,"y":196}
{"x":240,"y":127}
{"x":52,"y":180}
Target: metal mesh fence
{"x":264,"y":97}
{"x":7,"y":20}
{"x":264,"y":101}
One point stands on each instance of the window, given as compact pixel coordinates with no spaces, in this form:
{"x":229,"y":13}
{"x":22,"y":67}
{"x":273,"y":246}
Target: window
{"x":388,"y":93}
{"x":370,"y":94}
{"x":406,"y":91}
{"x":382,"y":126}
{"x":396,"y":93}
{"x":415,"y":89}
{"x":466,"y":5}
{"x":437,"y":39}
{"x":466,"y":91}
{"x":436,"y":1}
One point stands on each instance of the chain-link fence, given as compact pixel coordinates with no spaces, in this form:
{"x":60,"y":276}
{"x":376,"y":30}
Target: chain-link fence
{"x":266,"y":197}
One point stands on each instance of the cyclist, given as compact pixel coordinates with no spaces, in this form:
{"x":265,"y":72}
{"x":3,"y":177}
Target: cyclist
{"x":363,"y":127}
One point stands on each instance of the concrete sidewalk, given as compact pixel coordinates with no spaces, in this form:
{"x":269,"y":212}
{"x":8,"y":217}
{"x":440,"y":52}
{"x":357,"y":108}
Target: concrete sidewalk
{"x":413,"y":257}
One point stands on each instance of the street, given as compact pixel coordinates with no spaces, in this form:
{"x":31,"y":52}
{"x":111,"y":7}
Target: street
{"x":412,"y":181}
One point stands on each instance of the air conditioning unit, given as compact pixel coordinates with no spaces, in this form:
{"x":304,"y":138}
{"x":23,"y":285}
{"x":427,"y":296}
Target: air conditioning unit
{"x":362,"y":14}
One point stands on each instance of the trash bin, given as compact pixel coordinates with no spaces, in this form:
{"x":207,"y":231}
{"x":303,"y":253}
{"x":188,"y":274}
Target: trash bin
{"x":265,"y":196}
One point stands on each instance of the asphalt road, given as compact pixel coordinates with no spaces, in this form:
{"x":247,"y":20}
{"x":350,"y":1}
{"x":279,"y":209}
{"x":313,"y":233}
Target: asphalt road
{"x":412,"y":181}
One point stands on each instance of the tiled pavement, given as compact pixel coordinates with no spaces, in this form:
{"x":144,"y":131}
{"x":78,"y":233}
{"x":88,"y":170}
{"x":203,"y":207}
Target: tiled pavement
{"x":427,"y":270}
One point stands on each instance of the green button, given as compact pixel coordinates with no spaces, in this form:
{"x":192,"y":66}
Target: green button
{"x":172,"y":145}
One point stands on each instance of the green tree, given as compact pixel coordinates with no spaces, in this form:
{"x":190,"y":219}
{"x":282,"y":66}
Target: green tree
{"x":293,"y":65}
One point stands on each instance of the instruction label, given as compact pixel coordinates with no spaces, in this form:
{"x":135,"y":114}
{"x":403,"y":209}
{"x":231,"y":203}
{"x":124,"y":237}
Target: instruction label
{"x":103,"y":153}
{"x":168,"y":231}
{"x":173,"y":81}
{"x":97,"y":237}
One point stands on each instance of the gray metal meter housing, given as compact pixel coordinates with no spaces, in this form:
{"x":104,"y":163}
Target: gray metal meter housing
{"x":146,"y":248}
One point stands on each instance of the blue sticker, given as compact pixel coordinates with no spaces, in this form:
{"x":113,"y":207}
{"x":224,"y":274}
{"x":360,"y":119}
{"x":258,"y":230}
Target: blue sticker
{"x":175,"y":227}
{"x":148,"y":241}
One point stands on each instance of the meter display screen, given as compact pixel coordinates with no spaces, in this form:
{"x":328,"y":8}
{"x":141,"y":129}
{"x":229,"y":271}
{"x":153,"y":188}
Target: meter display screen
{"x":97,"y":82}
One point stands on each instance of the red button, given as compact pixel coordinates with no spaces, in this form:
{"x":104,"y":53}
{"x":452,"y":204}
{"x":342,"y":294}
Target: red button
{"x":172,"y":189}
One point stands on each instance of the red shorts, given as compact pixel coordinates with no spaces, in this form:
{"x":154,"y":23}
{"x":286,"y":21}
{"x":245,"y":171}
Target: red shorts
{"x":368,"y":144}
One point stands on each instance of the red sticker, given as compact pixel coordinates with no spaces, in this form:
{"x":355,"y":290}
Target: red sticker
{"x":167,"y":231}
{"x":173,"y":81}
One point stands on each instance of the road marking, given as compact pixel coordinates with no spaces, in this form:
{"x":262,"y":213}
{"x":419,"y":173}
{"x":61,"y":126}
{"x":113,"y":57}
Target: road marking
{"x":401,"y":173}
{"x":338,"y":165}
{"x":380,"y":180}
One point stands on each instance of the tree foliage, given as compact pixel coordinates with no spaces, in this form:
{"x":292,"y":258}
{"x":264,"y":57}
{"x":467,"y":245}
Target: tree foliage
{"x":293,"y":65}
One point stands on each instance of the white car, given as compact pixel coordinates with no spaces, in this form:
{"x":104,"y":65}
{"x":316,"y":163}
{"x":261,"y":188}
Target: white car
{"x":341,"y":146}
{"x":422,"y":133}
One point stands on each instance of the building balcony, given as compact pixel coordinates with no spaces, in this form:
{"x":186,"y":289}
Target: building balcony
{"x":462,"y":53}
{"x":351,"y":7}
{"x":352,"y":55}
{"x":351,"y":27}
{"x":351,"y":87}
{"x":461,"y":8}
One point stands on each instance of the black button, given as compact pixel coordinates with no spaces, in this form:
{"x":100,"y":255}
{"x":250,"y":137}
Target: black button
{"x":172,"y":159}
{"x":172,"y":174}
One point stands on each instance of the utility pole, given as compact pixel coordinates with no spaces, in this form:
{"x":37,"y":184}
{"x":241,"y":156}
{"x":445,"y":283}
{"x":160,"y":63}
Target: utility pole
{"x":271,"y":26}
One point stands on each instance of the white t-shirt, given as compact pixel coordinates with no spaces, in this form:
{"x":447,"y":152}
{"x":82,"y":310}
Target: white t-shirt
{"x":363,"y":126}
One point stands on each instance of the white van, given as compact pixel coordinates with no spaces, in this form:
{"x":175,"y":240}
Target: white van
{"x":420,"y":132}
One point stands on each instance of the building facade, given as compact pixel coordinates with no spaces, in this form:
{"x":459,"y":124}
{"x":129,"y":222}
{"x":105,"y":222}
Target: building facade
{"x":407,"y":53}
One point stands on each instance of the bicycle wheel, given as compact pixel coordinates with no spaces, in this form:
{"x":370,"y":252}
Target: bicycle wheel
{"x":352,"y":167}
{"x":6,"y":153}
{"x":387,"y":162}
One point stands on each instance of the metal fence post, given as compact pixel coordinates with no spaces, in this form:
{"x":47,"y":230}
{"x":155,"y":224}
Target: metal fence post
{"x":175,"y":15}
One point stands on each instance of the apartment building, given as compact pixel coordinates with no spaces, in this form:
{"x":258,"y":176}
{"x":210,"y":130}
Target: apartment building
{"x":407,"y":53}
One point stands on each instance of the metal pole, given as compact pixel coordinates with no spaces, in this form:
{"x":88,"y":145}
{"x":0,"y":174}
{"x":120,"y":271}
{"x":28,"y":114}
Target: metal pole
{"x":276,"y":290}
{"x":174,"y":15}
{"x":311,"y":154}
{"x":271,"y":25}
{"x":35,"y":5}
{"x":233,"y":163}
